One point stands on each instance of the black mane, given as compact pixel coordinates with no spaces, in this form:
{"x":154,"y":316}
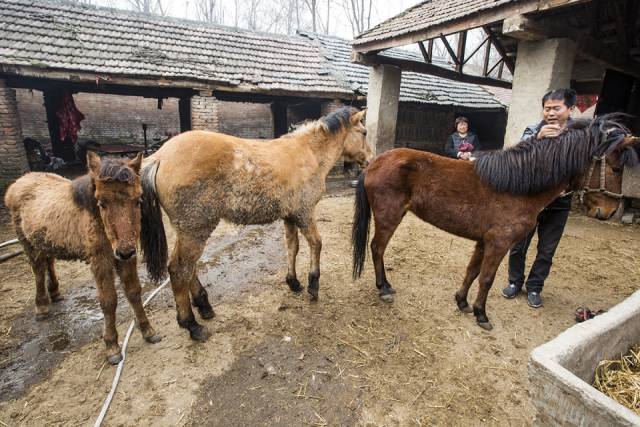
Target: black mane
{"x":533,"y":166}
{"x":338,"y":119}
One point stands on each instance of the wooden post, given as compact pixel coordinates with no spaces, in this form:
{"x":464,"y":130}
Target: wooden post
{"x":184,"y":111}
{"x":279,"y":113}
{"x":51,"y":101}
{"x":462,"y":45}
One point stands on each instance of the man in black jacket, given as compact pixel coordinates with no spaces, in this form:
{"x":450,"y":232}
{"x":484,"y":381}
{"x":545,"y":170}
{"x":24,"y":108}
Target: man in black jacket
{"x":557,"y":106}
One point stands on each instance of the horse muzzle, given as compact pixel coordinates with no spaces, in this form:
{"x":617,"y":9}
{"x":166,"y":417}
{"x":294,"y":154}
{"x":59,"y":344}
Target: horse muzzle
{"x":124,"y":254}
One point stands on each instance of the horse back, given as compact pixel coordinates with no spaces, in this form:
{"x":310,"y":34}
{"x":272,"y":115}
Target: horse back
{"x":45,"y":215}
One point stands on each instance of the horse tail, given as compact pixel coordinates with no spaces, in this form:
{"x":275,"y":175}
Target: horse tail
{"x":152,"y":235}
{"x":360,"y":228}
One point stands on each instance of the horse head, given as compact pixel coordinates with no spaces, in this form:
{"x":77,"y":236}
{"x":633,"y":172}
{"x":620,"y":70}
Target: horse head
{"x":118,"y":193}
{"x":601,"y":192}
{"x":356,"y":148}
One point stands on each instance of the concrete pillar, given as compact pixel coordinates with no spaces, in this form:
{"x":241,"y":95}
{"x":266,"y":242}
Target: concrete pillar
{"x":13,"y":158}
{"x":204,"y":112}
{"x":540,"y":67}
{"x":382,"y":106}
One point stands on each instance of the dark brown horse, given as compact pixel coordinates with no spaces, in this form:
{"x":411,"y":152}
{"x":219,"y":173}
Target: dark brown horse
{"x":95,"y":218}
{"x":494,"y":201}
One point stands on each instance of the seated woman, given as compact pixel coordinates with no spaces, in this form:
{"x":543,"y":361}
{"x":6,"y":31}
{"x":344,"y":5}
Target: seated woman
{"x":462,"y":143}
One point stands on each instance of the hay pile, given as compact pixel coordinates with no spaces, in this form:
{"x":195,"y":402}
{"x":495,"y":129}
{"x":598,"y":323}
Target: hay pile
{"x":620,"y":379}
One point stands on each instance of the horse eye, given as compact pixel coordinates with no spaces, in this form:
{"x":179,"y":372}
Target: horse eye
{"x":617,"y":171}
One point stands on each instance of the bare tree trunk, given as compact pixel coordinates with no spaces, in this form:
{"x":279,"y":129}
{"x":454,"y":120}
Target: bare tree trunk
{"x":326,"y":29}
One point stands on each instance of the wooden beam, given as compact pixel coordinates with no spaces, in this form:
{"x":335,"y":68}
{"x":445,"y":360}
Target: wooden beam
{"x":503,"y":53}
{"x":430,"y":48}
{"x":449,"y":49}
{"x":425,"y":54}
{"x":462,"y":45}
{"x":184,"y":111}
{"x":487,"y":57}
{"x":466,"y":59}
{"x":500,"y":61}
{"x":474,"y":20}
{"x":421,"y":67}
{"x":522,"y":28}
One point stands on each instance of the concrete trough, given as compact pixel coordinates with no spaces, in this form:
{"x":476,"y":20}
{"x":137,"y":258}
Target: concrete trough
{"x":561,"y":371}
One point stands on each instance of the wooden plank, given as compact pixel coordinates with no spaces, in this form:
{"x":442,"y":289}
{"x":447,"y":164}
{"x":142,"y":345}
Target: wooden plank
{"x":449,"y":49}
{"x":522,"y":28}
{"x":462,"y":45}
{"x":421,"y":67}
{"x":503,"y":53}
{"x":466,"y":59}
{"x":487,"y":57}
{"x":425,"y":54}
{"x":430,"y":49}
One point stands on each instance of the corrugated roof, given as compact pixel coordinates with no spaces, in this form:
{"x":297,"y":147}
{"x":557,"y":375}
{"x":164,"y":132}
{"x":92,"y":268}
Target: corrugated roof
{"x":425,"y":15}
{"x":414,"y":87}
{"x":71,"y":36}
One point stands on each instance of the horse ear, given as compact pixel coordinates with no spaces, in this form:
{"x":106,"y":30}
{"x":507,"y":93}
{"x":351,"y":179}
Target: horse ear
{"x":357,"y":117}
{"x":93,"y":163}
{"x":136,"y":163}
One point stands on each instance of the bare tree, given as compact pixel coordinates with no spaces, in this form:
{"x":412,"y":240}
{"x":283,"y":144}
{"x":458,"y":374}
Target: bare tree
{"x":210,"y":11}
{"x":148,"y":6}
{"x":359,"y":14}
{"x":312,"y":5}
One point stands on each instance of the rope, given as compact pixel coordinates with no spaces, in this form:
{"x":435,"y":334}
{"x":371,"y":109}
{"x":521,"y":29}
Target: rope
{"x":116,"y":377}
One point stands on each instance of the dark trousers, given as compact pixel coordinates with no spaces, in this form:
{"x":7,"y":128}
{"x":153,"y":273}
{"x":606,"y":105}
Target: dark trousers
{"x":550,"y":226}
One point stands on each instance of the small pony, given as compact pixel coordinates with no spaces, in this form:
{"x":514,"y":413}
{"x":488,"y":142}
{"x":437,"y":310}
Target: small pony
{"x":94,"y":218}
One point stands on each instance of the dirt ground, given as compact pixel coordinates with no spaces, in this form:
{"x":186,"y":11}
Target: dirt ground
{"x":274,"y":358}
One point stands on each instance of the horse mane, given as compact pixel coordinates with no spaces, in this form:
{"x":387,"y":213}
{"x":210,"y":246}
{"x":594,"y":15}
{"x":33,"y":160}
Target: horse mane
{"x":111,"y":170}
{"x":533,"y":166}
{"x":332,"y":122}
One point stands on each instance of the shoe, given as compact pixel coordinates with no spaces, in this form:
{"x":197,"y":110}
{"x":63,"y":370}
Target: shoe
{"x":511,"y":291}
{"x":534,"y":299}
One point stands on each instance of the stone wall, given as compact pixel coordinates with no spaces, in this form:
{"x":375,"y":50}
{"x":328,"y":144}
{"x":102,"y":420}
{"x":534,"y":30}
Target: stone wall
{"x":13,"y":160}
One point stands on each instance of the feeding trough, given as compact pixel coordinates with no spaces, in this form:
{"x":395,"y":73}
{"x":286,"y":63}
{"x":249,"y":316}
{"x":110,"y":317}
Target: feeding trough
{"x":562,"y":371}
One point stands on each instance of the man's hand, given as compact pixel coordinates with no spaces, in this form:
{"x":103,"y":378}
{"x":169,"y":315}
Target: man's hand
{"x":550,"y":131}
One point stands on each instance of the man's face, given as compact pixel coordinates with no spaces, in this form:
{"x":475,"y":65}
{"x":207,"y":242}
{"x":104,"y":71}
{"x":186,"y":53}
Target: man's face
{"x":555,"y":112}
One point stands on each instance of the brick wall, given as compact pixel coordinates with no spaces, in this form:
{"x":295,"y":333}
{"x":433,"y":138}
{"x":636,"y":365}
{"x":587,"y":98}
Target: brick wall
{"x":204,"y":113}
{"x":109,"y":118}
{"x":13,"y":160}
{"x":245,"y":120}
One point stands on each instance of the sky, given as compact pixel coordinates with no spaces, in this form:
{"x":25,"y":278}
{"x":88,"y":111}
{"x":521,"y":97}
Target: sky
{"x":338,"y":22}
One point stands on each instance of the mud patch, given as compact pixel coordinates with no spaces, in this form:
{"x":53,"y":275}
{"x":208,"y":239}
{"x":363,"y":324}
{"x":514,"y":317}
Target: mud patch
{"x":279,"y":383}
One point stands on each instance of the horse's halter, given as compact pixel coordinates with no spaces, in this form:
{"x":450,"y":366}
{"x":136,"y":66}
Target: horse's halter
{"x":603,"y":177}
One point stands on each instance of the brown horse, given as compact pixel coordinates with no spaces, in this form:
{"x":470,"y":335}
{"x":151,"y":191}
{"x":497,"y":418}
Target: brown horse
{"x":202,"y":177}
{"x":494,"y":201}
{"x":95,"y":218}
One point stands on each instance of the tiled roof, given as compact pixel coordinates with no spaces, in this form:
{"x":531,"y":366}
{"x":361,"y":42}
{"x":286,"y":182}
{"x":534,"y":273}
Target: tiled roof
{"x":415,"y":87}
{"x":425,"y":15}
{"x":72,"y":36}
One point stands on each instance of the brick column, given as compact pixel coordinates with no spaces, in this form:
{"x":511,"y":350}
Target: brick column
{"x":13,"y":159}
{"x":204,"y":112}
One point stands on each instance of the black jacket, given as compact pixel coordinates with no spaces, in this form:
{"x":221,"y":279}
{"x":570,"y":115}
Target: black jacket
{"x":454,"y":141}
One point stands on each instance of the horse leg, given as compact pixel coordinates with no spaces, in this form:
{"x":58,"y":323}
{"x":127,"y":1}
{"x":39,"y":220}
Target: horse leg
{"x":52,"y":285}
{"x":291,"y":234}
{"x":493,"y":255}
{"x":105,"y":282}
{"x":39,"y":267}
{"x":182,"y":268}
{"x":310,"y":233}
{"x":128,"y":273}
{"x":473,"y":269}
{"x":385,"y":225}
{"x":200,"y":298}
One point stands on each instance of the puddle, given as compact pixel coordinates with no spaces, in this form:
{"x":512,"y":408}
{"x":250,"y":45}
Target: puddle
{"x":230,"y":264}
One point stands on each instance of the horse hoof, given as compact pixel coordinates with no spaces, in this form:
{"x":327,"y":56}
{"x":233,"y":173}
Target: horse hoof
{"x":206,"y":313}
{"x":155,"y":338}
{"x":56,"y":298}
{"x":487,"y":326}
{"x":387,"y":297}
{"x":313,"y":293}
{"x":466,"y":309}
{"x":294,"y":285}
{"x":114,"y":359}
{"x":42,"y":315}
{"x":199,"y":333}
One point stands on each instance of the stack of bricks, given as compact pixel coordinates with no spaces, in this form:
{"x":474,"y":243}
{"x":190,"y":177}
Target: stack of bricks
{"x":204,"y":112}
{"x":13,"y":159}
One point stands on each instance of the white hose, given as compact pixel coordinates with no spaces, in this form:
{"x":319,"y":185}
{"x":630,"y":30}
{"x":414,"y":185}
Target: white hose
{"x":116,"y":378}
{"x":8,"y":243}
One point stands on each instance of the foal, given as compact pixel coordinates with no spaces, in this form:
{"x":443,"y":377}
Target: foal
{"x":95,"y":218}
{"x":201,"y":177}
{"x":494,"y":201}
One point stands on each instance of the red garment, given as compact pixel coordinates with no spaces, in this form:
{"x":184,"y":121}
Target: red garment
{"x":69,"y":118}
